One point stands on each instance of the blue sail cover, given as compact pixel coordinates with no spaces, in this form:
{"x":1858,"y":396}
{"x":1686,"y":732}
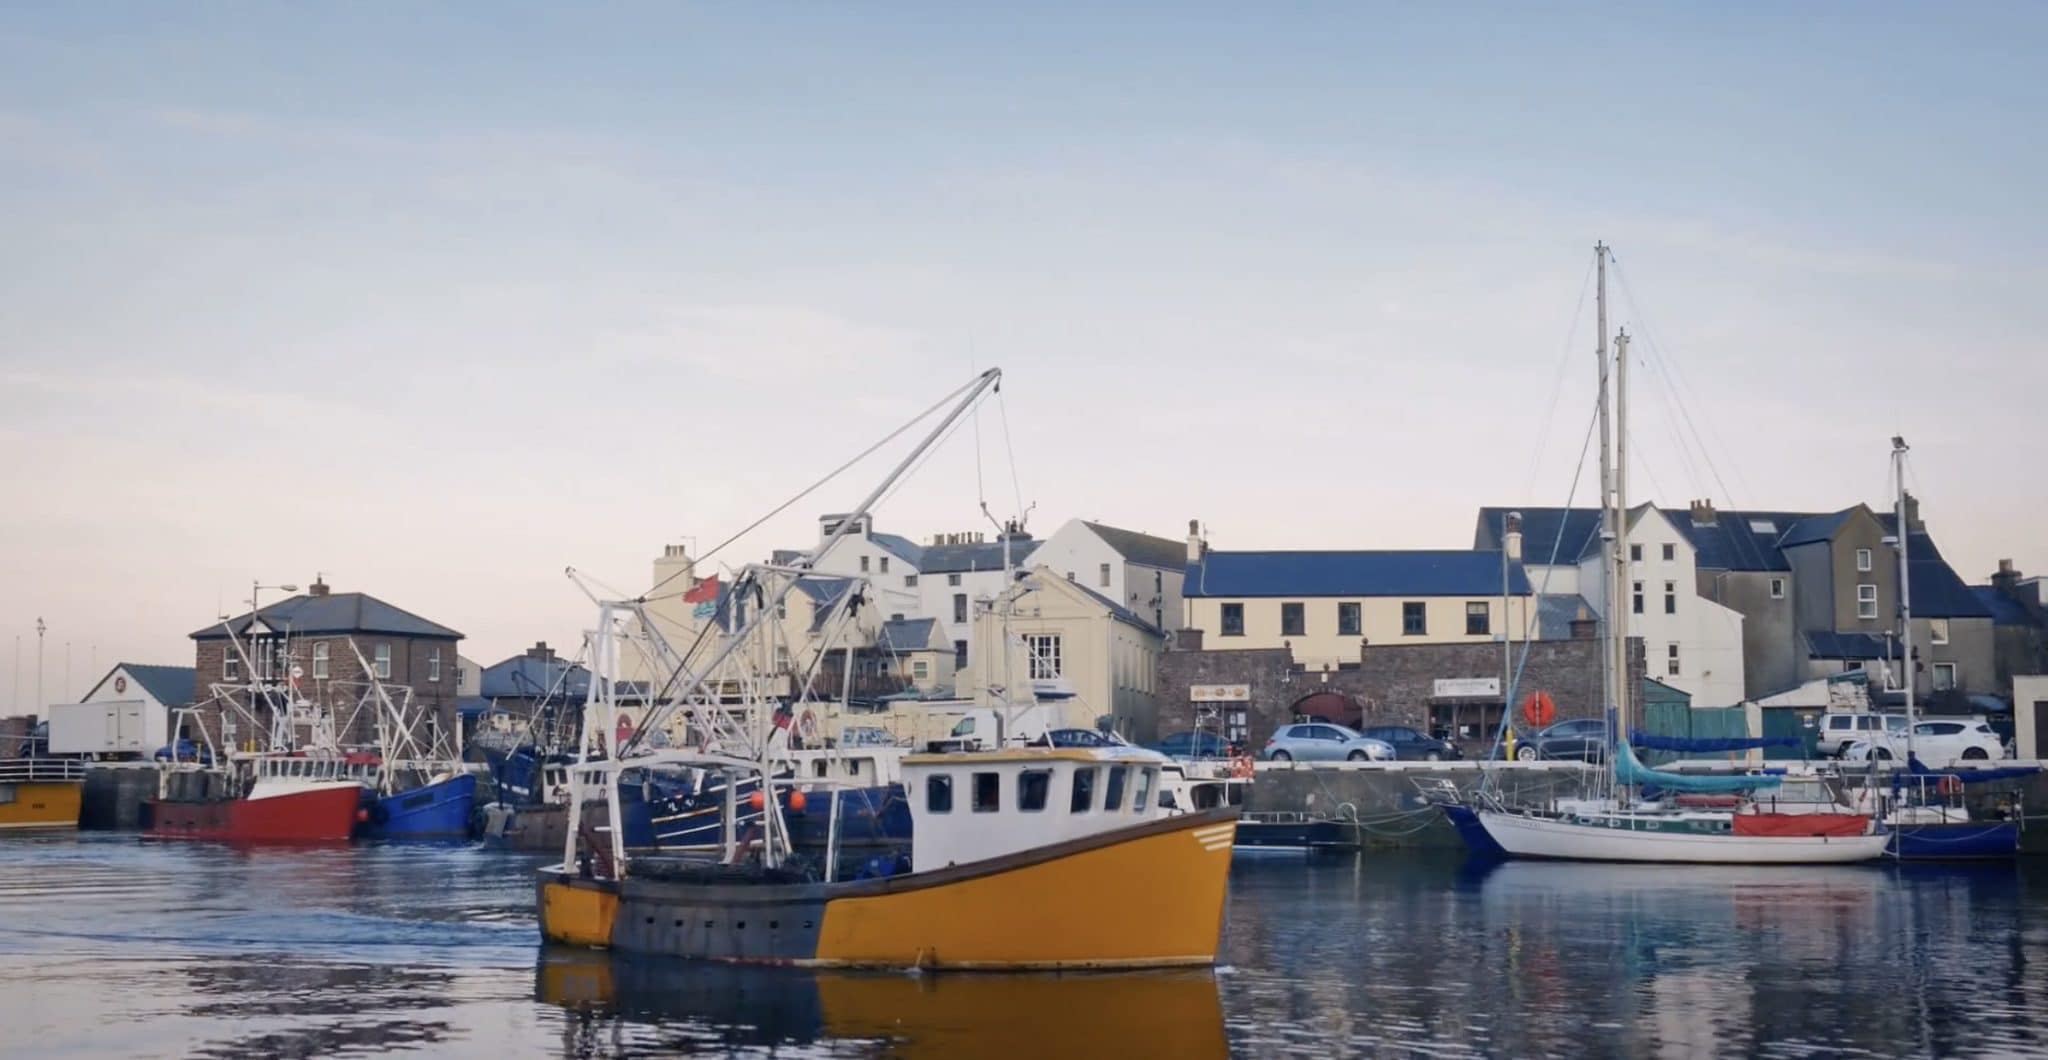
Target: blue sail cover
{"x":1970,"y":776}
{"x":1628,"y":770}
{"x":1709,"y":743}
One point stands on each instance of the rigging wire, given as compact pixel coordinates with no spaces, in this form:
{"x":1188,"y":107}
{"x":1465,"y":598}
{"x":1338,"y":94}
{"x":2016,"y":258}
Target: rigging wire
{"x":1016,"y":485}
{"x":1678,"y":376}
{"x":1564,"y":361}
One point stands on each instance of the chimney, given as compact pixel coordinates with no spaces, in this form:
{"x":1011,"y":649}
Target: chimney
{"x":1584,"y":625}
{"x":1511,"y":536}
{"x":318,"y":588}
{"x":540,"y":650}
{"x":1703,"y":512}
{"x":1196,"y":546}
{"x":1913,"y":523}
{"x":2007,"y":580}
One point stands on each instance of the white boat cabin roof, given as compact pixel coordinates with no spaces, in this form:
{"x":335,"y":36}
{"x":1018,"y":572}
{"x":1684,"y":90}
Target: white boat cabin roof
{"x":973,"y":806}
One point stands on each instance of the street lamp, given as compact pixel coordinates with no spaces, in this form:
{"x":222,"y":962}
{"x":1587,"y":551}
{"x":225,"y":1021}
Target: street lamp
{"x":39,"y":662}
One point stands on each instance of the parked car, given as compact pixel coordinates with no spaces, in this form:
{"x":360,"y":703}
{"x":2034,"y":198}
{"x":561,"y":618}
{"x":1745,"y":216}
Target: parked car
{"x":184,"y":751}
{"x":1937,"y":744}
{"x":1584,"y":739}
{"x":1839,"y":730}
{"x":1073,"y":738}
{"x":1317,"y":742}
{"x":1193,"y":745}
{"x":1411,"y":745}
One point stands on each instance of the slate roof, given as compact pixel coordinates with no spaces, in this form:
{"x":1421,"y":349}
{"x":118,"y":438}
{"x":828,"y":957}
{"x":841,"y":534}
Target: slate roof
{"x":907,"y":634}
{"x":900,"y":547}
{"x":1937,"y":591}
{"x":1142,"y":548}
{"x":173,"y":686}
{"x":985,"y":555}
{"x":1567,"y":533}
{"x":1117,"y":611}
{"x":2005,"y":611}
{"x":1814,"y":528}
{"x":335,"y":613}
{"x":527,"y":677}
{"x":1822,"y":644}
{"x":1376,"y":573}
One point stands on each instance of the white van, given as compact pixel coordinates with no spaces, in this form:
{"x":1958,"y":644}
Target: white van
{"x":1838,"y":731}
{"x":986,"y":730}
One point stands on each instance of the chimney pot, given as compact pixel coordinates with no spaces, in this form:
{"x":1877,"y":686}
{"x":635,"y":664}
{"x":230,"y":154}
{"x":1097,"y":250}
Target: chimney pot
{"x":1511,"y":537}
{"x":1195,"y":544}
{"x":318,"y":588}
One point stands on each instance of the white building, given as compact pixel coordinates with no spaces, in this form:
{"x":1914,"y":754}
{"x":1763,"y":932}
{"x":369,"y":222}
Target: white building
{"x":1138,"y":572}
{"x":1074,"y":651}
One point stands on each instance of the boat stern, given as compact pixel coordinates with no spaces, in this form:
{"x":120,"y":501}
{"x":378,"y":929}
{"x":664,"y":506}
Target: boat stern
{"x":576,"y":911}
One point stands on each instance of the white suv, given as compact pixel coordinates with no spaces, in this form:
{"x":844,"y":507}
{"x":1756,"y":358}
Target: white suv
{"x":1938,"y":744}
{"x":1838,"y":732}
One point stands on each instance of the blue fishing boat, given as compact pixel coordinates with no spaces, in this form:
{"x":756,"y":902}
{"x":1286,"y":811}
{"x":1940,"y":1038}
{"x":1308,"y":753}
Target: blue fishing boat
{"x":1933,"y":823}
{"x":439,"y":809}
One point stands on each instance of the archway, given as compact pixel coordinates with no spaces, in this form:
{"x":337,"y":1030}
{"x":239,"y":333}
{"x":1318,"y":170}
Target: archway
{"x":1328,"y":706}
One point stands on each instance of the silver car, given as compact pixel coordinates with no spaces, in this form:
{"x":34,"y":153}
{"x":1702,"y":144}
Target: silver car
{"x":1323,"y":742}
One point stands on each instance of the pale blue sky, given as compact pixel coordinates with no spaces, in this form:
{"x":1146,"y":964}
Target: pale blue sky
{"x":441,"y":301}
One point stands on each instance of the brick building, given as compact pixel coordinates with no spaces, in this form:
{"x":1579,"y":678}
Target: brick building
{"x":313,"y":640}
{"x":1453,"y":689}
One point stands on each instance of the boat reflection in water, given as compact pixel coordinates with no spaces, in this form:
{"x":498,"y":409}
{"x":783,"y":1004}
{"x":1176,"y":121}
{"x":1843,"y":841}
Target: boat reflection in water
{"x":620,"y":1002}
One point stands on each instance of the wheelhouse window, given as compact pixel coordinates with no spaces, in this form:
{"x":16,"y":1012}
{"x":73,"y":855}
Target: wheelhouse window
{"x":1293,"y":623}
{"x":1866,"y":601}
{"x":1113,"y":791}
{"x":1478,"y":619}
{"x":1032,"y":788}
{"x":383,"y":664}
{"x":1349,"y":623}
{"x":320,"y":659}
{"x":1138,"y":802}
{"x":1044,"y":649}
{"x":988,"y":792}
{"x":1083,"y":799}
{"x":938,"y":794}
{"x":1414,"y":619}
{"x":1233,"y":620}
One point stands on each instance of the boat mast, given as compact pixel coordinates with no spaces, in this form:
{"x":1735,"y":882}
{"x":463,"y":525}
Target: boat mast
{"x":1610,"y":588}
{"x":1623,"y":690}
{"x":1906,"y":666}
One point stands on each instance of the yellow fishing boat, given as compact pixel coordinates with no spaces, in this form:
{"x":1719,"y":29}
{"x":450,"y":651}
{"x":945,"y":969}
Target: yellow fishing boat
{"x":1027,"y":858}
{"x":40,"y":793}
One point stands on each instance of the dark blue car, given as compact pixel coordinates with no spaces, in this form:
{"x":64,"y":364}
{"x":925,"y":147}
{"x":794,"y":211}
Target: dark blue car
{"x":1193,"y":745}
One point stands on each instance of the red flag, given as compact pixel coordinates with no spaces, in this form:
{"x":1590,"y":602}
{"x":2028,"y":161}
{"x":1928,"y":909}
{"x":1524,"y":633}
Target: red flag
{"x":703,"y":592}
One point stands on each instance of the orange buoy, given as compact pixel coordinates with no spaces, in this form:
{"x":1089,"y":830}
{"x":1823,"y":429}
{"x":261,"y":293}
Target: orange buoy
{"x":796,"y":801}
{"x":362,"y":816}
{"x":756,"y":800}
{"x":1539,"y":709}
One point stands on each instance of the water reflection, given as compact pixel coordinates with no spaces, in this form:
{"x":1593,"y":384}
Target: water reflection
{"x":620,"y":1004}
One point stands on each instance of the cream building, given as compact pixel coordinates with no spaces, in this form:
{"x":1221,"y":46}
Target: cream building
{"x":1069,"y":649}
{"x":1325,"y":606}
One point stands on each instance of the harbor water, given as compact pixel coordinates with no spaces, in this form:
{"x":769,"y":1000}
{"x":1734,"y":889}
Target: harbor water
{"x":111,"y":945}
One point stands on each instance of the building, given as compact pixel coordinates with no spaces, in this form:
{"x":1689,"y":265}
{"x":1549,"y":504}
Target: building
{"x":328,"y":646}
{"x":1071,"y":649}
{"x":1324,"y":607}
{"x":1693,"y":643}
{"x":1137,"y":571}
{"x":2019,"y":624}
{"x":157,"y":690}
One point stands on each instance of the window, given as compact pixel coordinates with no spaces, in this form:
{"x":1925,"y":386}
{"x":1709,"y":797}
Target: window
{"x":1084,"y":791}
{"x":1866,"y":601}
{"x":1070,"y":575}
{"x":1937,"y":630}
{"x":434,"y":665}
{"x":320,"y":650}
{"x":920,"y":669}
{"x":1414,"y":622}
{"x":988,"y":792}
{"x":1032,"y":787}
{"x":1635,"y":553}
{"x":1670,"y":553}
{"x":1862,"y":559}
{"x":1670,"y":598}
{"x":959,"y":607}
{"x":1293,"y":623}
{"x":1945,"y":679}
{"x":384,"y":661}
{"x":1113,"y":792}
{"x":1777,"y":588}
{"x":953,"y":580}
{"x":1044,"y":650}
{"x":1233,"y":620}
{"x":1638,"y":593}
{"x":231,"y":665}
{"x":1478,"y":619}
{"x":1144,"y":790}
{"x":1102,"y":575}
{"x":938,"y":794}
{"x":1348,"y":623}
{"x":885,"y":564}
{"x":910,"y":581}
{"x":1671,"y":660}
{"x":1158,"y":582}
{"x":863,"y":564}
{"x":959,"y":655}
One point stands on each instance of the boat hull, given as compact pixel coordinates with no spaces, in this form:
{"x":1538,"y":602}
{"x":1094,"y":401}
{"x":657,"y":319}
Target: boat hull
{"x":1523,"y":836}
{"x":1961,"y":841}
{"x":440,"y":810}
{"x":1051,"y":908}
{"x":1299,"y":836}
{"x":321,"y":815}
{"x":39,"y":804}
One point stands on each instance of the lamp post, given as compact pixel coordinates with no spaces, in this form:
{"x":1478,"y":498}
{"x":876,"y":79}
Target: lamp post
{"x":39,"y":662}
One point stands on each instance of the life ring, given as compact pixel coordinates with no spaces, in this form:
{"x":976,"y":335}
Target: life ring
{"x":1241,"y":767}
{"x":1539,"y":709}
{"x":1949,"y":784}
{"x":625,"y":729}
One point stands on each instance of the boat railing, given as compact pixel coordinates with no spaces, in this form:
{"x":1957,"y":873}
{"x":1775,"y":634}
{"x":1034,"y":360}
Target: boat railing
{"x":40,"y":770}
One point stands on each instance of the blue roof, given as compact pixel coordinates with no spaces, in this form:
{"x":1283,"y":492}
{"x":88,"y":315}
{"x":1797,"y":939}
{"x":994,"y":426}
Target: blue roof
{"x":1740,"y":541}
{"x":907,"y":634}
{"x":1378,"y":573}
{"x":983,"y":555}
{"x":1565,"y":533}
{"x":1822,"y":644}
{"x":2005,"y":611}
{"x":173,"y":686}
{"x":1814,"y":528}
{"x":528,"y":677}
{"x":900,"y":547}
{"x":334,"y":613}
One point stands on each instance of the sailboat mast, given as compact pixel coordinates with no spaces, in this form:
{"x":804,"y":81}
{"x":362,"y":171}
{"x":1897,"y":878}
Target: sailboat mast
{"x":1622,"y":684}
{"x":1611,"y":605}
{"x":1905,"y":582}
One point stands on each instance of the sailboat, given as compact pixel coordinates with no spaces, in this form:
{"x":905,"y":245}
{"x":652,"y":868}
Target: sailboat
{"x":1651,"y":815}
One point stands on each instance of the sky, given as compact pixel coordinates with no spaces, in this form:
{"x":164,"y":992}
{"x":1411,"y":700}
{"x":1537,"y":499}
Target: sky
{"x":442,"y":301}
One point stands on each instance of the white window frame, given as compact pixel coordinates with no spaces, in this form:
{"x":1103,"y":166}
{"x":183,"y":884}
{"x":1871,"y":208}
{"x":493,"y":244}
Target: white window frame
{"x":1941,"y":685}
{"x":1043,"y":650}
{"x":1671,"y":666}
{"x":1670,"y":598}
{"x":864,"y":564}
{"x":920,"y":669}
{"x":1937,"y":630}
{"x":1866,"y":600}
{"x":320,"y":656}
{"x":1670,"y":553}
{"x":1864,"y":560}
{"x":434,"y":665}
{"x":1102,"y":575}
{"x":885,"y":566}
{"x":1636,"y":595}
{"x":231,"y":665}
{"x":382,"y":664}
{"x":1777,"y":588}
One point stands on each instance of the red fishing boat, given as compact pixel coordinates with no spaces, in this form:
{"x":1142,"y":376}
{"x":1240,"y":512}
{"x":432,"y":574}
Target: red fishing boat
{"x":312,"y":813}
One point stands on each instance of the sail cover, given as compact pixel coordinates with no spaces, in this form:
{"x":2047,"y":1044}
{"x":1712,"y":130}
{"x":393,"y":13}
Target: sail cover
{"x":1969,"y":776}
{"x":1628,"y":770}
{"x":1707,"y":743}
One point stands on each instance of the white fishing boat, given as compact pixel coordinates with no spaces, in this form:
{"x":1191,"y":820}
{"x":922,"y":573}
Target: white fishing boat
{"x":1625,"y":823}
